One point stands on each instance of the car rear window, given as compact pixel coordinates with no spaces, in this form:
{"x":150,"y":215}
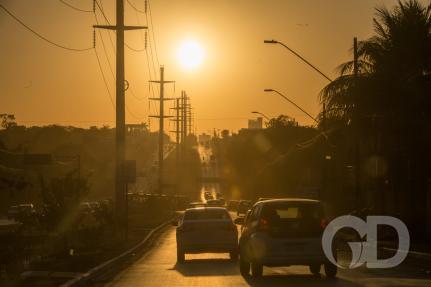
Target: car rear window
{"x":296,"y":219}
{"x":281,"y":211}
{"x":206,"y":214}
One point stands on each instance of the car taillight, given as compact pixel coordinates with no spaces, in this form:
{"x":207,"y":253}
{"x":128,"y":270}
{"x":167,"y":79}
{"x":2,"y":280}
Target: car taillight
{"x":323,"y":223}
{"x":263,"y":225}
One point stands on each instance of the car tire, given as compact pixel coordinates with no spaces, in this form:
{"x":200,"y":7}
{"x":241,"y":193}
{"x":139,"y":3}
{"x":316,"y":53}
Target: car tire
{"x":315,"y":269}
{"x":330,"y":270}
{"x":181,"y":257}
{"x":244,"y":266}
{"x":233,"y":255}
{"x":256,"y":270}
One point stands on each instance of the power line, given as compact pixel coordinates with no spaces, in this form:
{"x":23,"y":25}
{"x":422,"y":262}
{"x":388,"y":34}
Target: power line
{"x":75,"y":8}
{"x":40,"y":36}
{"x":107,"y":56}
{"x":135,"y":8}
{"x":104,"y":48}
{"x":109,"y":23}
{"x":152,"y":31}
{"x":151,"y":89}
{"x":104,"y":78}
{"x":134,"y":49}
{"x":103,"y":12}
{"x":134,"y":115}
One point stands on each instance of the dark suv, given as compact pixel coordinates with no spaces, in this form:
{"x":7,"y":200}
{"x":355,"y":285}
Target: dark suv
{"x":284,"y":232}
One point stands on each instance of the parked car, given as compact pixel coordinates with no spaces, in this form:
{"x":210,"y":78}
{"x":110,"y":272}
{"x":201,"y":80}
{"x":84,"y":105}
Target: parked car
{"x":196,"y":204}
{"x":243,"y":206}
{"x":232,"y":205}
{"x":263,"y":199}
{"x":208,"y":195}
{"x":21,"y":212}
{"x":206,"y":229}
{"x":215,"y":202}
{"x":85,"y":207}
{"x":222,"y":201}
{"x":283,"y":232}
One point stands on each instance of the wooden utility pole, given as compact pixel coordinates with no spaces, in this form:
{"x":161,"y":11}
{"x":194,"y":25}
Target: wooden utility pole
{"x":120,"y":119}
{"x":178,"y":125}
{"x":358,"y":193}
{"x":185,"y":116}
{"x":177,"y":131}
{"x":161,"y":117}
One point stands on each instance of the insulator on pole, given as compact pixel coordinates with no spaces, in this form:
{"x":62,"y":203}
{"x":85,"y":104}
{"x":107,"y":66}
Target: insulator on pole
{"x":94,"y":6}
{"x":146,"y":39}
{"x":94,"y":38}
{"x":146,"y":5}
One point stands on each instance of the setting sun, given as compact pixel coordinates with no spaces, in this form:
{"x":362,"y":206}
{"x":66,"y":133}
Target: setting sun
{"x":190,"y":54}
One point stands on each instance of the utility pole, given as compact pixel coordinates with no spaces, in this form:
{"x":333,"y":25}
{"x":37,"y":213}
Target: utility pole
{"x":184,"y":129}
{"x":177,"y":130}
{"x":324,"y":157}
{"x":161,"y":117}
{"x":120,"y":119}
{"x":358,"y":195}
{"x":189,"y":117}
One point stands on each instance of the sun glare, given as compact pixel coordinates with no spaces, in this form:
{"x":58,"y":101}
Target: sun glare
{"x":190,"y":54}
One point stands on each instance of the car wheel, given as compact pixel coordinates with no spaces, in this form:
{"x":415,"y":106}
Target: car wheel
{"x":315,"y":269}
{"x":233,"y":255}
{"x":244,"y":266}
{"x":180,"y":256}
{"x":256,"y":270}
{"x":330,"y":270}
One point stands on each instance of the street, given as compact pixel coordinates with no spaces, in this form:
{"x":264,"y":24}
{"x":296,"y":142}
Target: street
{"x":158,"y":268}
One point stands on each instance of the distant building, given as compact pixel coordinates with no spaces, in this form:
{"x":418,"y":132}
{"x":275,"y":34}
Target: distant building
{"x":225,"y":133}
{"x":255,"y":124}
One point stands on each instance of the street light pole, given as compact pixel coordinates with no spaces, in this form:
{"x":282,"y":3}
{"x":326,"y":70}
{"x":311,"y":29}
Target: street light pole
{"x":262,"y":114}
{"x":299,"y":56}
{"x":293,"y":103}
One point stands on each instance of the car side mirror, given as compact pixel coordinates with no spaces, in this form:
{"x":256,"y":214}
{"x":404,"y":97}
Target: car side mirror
{"x":239,"y":221}
{"x":174,"y":222}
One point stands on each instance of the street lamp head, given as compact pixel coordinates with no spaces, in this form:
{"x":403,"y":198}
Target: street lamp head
{"x":254,"y":112}
{"x":268,"y":90}
{"x":270,"y":41}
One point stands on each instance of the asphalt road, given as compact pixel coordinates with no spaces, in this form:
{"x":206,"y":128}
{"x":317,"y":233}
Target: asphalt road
{"x":158,"y":267}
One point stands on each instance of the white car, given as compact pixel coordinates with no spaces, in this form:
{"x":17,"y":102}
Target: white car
{"x":206,"y":229}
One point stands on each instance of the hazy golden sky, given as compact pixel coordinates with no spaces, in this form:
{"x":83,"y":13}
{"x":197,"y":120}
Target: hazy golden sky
{"x":42,"y":84}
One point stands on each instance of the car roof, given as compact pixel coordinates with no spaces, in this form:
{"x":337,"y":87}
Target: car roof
{"x":205,"y":208}
{"x":288,"y":200}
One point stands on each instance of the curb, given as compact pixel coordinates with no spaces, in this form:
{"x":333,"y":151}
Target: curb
{"x":414,"y":254}
{"x":83,"y":278}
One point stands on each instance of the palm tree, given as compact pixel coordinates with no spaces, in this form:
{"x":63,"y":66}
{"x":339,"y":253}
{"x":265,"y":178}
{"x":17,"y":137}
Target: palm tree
{"x":385,"y":108}
{"x":393,"y":80}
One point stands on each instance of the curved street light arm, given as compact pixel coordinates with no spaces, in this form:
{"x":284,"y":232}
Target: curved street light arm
{"x":262,"y":114}
{"x":299,"y":56}
{"x":293,"y":103}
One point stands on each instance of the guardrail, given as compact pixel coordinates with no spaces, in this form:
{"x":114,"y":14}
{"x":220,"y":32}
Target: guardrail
{"x":87,"y":277}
